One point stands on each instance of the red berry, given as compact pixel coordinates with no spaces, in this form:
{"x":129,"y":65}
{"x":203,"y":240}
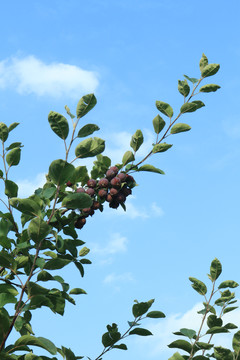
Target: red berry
{"x":90,"y":192}
{"x":116,"y":182}
{"x":69,"y":184}
{"x":114,"y":204}
{"x":113,"y":191}
{"x":91,"y":183}
{"x":120,"y":197}
{"x":102,"y":193}
{"x":109,"y":198}
{"x":114,"y":168}
{"x":103,"y":183}
{"x":110,"y":174}
{"x":96,"y":205}
{"x":81,"y":221}
{"x":80,"y":190}
{"x":122,"y":176}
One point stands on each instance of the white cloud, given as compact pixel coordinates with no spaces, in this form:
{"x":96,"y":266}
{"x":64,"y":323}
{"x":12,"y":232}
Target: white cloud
{"x":27,"y":187}
{"x":113,"y":278}
{"x":134,"y":211}
{"x":30,"y":75}
{"x":116,"y":244}
{"x":163,"y":331}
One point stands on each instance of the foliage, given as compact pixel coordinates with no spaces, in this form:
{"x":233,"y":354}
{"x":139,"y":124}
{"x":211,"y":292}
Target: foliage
{"x":46,"y":238}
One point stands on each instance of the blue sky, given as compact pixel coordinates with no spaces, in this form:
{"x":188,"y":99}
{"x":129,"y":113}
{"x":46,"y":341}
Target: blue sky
{"x":130,"y":54}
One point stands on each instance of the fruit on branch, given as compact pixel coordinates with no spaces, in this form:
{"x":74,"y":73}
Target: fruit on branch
{"x":113,"y":191}
{"x":116,"y":182}
{"x":102,"y":193}
{"x":80,"y":190}
{"x":122,"y":176}
{"x":80,"y":222}
{"x":103,"y":183}
{"x":90,"y":191}
{"x":69,"y":183}
{"x":92,"y":183}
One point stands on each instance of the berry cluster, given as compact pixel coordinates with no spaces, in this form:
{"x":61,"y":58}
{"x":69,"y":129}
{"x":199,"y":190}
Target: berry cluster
{"x":113,"y":188}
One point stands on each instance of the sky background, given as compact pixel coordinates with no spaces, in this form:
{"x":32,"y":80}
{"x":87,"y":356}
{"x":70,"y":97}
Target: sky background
{"x":130,"y":54}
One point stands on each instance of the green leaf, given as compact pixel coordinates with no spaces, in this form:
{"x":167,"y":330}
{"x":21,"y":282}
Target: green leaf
{"x":228,"y":284}
{"x":192,"y":80}
{"x":120,"y":346}
{"x":13,"y":157}
{"x":199,"y":103}
{"x":38,"y":229}
{"x":151,"y":168}
{"x":230,"y":326}
{"x":69,"y":112}
{"x":188,"y":332}
{"x":87,"y":130}
{"x":158,"y":124}
{"x":84,"y":251}
{"x":57,"y":263}
{"x":198,"y":285}
{"x":85,"y":104}
{"x":204,"y":346}
{"x":12,"y":126}
{"x":26,"y":206}
{"x":44,"y":276}
{"x":177,"y":128}
{"x":127,"y":157}
{"x":181,"y":344}
{"x":236,"y":342}
{"x":217,"y":330}
{"x":209,"y":88}
{"x":11,"y":188}
{"x":221,"y":353}
{"x":77,"y":291}
{"x":90,"y":147}
{"x":8,"y":289}
{"x":228,"y":309}
{"x":3,"y":132}
{"x":140,"y":331}
{"x":59,"y":124}
{"x":188,"y":107}
{"x":140,"y":308}
{"x":136,"y":140}
{"x":161,"y":147}
{"x":213,"y":320}
{"x":14,"y":145}
{"x":37,"y":341}
{"x":183,"y":87}
{"x":164,"y":108}
{"x":6,"y":298}
{"x":60,"y":171}
{"x":156,"y":314}
{"x":203,"y":62}
{"x":215,"y":269}
{"x":210,"y":70}
{"x":77,"y":201}
{"x":176,"y":356}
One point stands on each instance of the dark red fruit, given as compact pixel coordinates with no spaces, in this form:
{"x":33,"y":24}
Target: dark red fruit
{"x":103,"y":183}
{"x":69,"y":184}
{"x":114,"y":168}
{"x":109,"y":198}
{"x":96,"y":205}
{"x":81,"y":221}
{"x":90,"y":192}
{"x":126,"y":191}
{"x":116,"y":182}
{"x":91,"y":183}
{"x":120,"y":197}
{"x":102,"y":193}
{"x":87,"y":211}
{"x":122,"y":176}
{"x":113,"y":191}
{"x":91,"y":212}
{"x":114,"y":204}
{"x":110,"y":174}
{"x":129,"y":179}
{"x":80,"y":190}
